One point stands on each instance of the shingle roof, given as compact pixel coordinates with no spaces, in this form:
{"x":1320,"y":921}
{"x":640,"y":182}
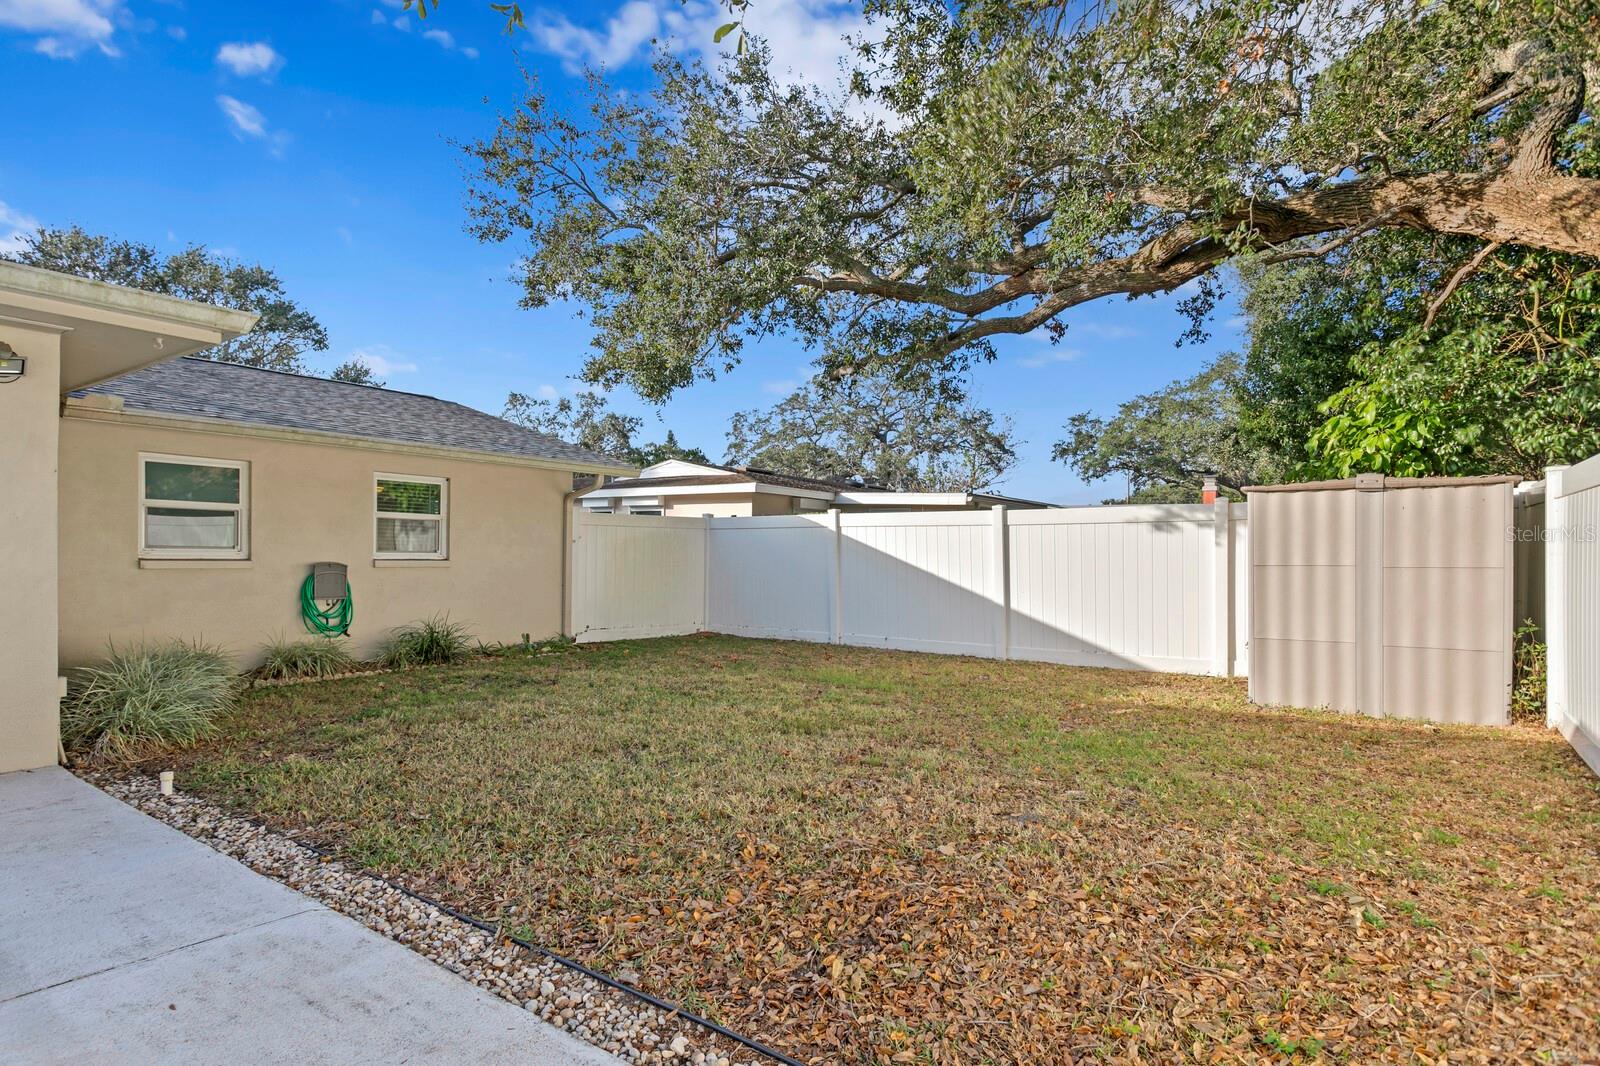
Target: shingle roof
{"x":204,"y":388}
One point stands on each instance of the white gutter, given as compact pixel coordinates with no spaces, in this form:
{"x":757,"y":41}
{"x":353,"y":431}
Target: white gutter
{"x":47,"y":289}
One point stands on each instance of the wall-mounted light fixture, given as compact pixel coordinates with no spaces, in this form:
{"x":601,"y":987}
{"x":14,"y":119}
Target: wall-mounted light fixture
{"x":12,"y":365}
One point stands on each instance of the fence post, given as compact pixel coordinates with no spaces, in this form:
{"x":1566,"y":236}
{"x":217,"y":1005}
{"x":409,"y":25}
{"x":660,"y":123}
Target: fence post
{"x":1555,"y":596}
{"x":1369,"y":593}
{"x":837,"y":624}
{"x":1222,"y":579}
{"x":1002,"y":582}
{"x":705,"y":572}
{"x":569,"y":564}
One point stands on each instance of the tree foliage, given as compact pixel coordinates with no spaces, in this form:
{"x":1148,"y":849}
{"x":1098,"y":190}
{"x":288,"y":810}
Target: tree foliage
{"x":1165,"y":442}
{"x":995,"y":163}
{"x":356,"y":372}
{"x":913,"y":438}
{"x":1506,"y":379}
{"x":589,"y":422}
{"x":279,"y":340}
{"x":1390,"y":357}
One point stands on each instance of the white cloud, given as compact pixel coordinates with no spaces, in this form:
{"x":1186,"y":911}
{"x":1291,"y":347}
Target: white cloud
{"x":1106,"y":331}
{"x":56,"y":48}
{"x":548,"y":392}
{"x":249,"y":58}
{"x":65,"y":27}
{"x":809,"y":38}
{"x":246,"y":121}
{"x":779,"y":388}
{"x":623,"y":38}
{"x":1054,"y":355}
{"x":383,"y":360}
{"x":14,"y":226}
{"x":443,"y":38}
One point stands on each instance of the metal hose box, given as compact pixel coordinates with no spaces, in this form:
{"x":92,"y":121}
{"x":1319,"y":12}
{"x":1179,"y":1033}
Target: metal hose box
{"x":328,"y":581}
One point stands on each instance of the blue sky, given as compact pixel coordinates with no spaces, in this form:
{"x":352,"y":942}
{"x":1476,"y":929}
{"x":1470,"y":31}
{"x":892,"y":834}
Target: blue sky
{"x":315,"y":138}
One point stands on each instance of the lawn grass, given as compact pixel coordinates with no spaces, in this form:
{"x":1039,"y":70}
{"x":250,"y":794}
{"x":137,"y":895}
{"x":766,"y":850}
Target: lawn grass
{"x":862,"y":856}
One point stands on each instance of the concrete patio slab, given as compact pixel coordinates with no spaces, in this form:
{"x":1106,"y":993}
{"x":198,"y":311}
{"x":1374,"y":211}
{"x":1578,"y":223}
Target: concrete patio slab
{"x":122,"y":940}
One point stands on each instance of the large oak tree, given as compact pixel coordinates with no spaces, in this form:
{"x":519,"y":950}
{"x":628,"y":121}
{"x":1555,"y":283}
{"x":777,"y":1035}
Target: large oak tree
{"x":881,"y":430}
{"x":992,"y":165}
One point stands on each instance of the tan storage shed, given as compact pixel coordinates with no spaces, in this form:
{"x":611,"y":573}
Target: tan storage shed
{"x":1388,"y":596}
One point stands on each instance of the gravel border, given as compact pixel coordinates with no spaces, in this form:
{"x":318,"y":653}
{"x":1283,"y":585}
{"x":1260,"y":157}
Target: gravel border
{"x":614,"y":1021}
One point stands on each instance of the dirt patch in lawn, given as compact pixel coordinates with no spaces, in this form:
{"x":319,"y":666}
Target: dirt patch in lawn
{"x":865,"y":856}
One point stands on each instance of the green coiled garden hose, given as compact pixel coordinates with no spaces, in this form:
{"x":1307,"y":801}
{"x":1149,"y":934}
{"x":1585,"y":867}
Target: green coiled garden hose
{"x":331,"y":622}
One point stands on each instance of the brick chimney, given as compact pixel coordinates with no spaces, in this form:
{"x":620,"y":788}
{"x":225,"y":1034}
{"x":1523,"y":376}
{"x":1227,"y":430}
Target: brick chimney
{"x":1208,"y":489}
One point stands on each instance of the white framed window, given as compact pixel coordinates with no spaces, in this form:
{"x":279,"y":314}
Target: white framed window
{"x":647,"y":509}
{"x":193,"y":508}
{"x":411,"y":516}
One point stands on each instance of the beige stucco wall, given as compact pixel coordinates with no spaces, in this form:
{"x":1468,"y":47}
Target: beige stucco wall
{"x":308,"y":502}
{"x":742,"y":505}
{"x":29,"y":692}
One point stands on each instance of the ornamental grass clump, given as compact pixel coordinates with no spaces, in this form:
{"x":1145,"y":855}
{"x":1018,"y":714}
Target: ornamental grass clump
{"x":286,"y":660}
{"x":435,"y":640}
{"x":144,"y":698}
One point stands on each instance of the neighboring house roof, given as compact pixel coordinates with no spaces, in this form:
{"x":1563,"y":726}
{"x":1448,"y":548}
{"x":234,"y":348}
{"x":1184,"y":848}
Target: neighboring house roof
{"x":708,"y":479}
{"x":228,"y":392}
{"x":736,"y":477}
{"x":888,"y":498}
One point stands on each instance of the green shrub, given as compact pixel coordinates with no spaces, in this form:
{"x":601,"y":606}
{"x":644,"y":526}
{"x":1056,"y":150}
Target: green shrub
{"x":1528,"y":669}
{"x":144,"y":698}
{"x":436,"y":640}
{"x":317,"y":657}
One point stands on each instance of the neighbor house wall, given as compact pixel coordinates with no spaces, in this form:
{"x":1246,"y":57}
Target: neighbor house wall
{"x":29,"y":690}
{"x":308,"y":502}
{"x":742,"y":505}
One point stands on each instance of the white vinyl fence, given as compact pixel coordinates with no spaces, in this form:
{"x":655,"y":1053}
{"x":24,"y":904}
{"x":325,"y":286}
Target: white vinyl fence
{"x":1142,"y":587}
{"x":1572,"y":605}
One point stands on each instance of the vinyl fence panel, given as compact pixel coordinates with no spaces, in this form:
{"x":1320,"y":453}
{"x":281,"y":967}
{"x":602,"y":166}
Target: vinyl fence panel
{"x":1139,"y":587}
{"x":771,"y":577}
{"x":1572,"y":605}
{"x":1388,"y":596}
{"x":1115,"y":586}
{"x":633,"y":576}
{"x":919,"y":582}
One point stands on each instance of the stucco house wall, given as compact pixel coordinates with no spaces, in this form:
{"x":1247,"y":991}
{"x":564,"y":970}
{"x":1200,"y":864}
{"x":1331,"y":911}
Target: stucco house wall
{"x":308,"y":502}
{"x":28,"y":687}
